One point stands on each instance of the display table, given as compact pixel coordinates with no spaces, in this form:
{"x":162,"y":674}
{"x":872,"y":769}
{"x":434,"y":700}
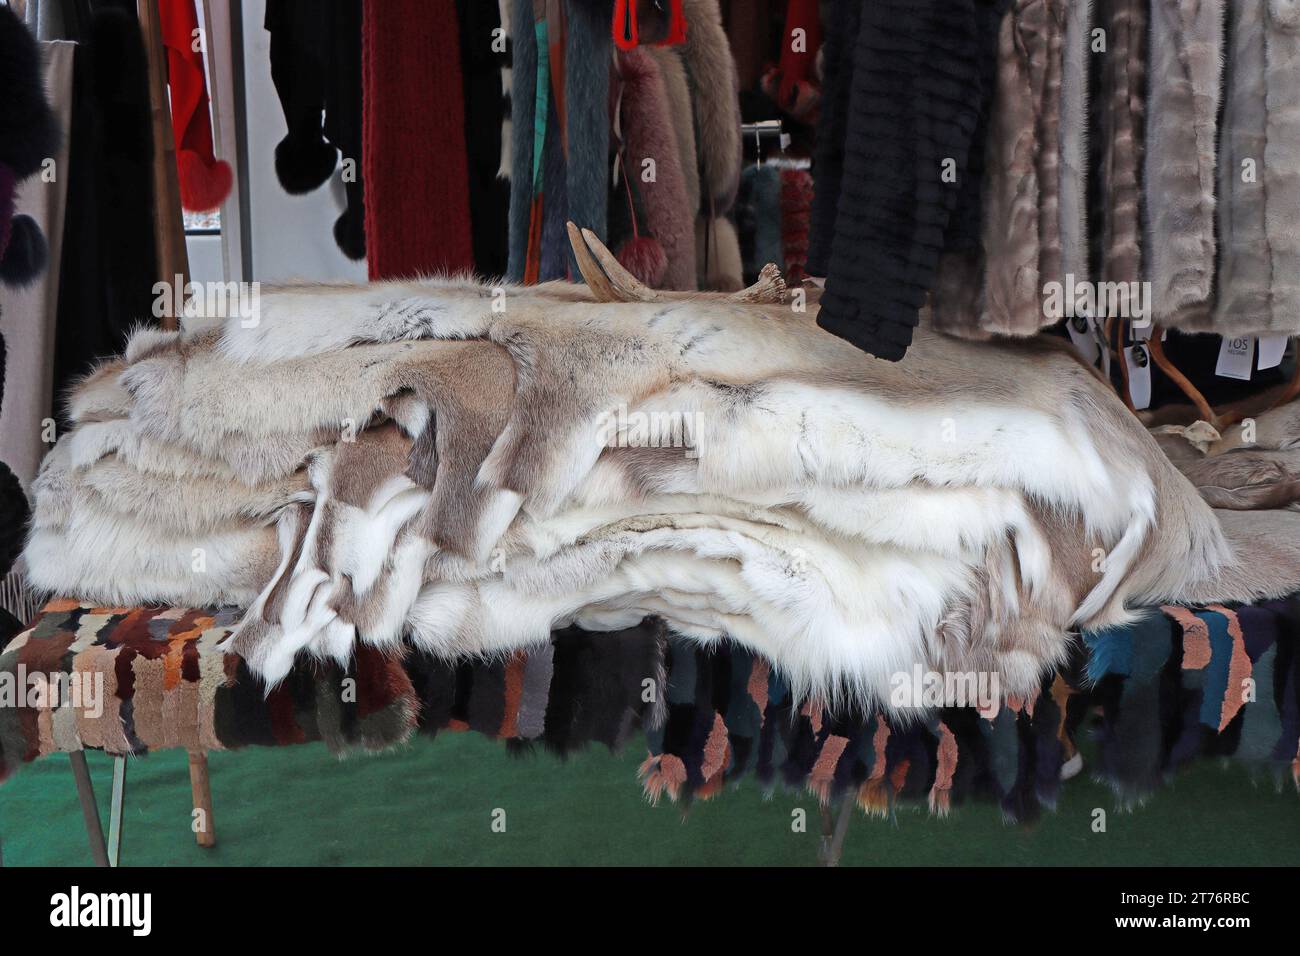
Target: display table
{"x":1181,"y":683}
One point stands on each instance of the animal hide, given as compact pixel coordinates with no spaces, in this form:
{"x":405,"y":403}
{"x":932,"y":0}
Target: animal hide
{"x":682,"y":114}
{"x":1123,"y":85}
{"x":717,"y":254}
{"x":713,"y":88}
{"x":414,"y":461}
{"x":1073,"y":201}
{"x":1181,"y":153}
{"x":588,"y":53}
{"x":1258,"y":178}
{"x":1249,"y":468}
{"x":651,"y":144}
{"x":999,"y":288}
{"x":1022,"y":218}
{"x":1281,"y":168}
{"x":1246,"y":261}
{"x":715,"y":92}
{"x":909,"y":106}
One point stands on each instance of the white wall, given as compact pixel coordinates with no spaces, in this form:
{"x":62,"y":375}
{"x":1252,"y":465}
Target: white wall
{"x":292,"y":236}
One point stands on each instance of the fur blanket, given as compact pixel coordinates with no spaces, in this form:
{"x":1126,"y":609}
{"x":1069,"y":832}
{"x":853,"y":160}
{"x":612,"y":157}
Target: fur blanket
{"x":467,"y":469}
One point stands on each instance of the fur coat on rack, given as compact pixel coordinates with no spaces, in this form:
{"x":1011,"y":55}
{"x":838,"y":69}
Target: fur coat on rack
{"x":1187,"y":56}
{"x":1032,"y":163}
{"x":1258,"y":179}
{"x":410,"y":461}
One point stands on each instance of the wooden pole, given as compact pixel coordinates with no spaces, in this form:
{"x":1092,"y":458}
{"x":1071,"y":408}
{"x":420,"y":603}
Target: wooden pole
{"x":89,"y":810}
{"x":201,"y":791}
{"x":168,"y":222}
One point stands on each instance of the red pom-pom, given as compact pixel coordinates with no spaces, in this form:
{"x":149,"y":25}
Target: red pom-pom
{"x":645,"y":258}
{"x":203,"y":187}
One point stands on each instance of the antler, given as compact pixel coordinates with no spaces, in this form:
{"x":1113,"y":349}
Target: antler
{"x":770,"y":287}
{"x":610,"y":282}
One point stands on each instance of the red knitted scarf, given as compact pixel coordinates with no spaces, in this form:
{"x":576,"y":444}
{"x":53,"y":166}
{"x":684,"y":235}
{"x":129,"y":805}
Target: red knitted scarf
{"x":417,"y":185}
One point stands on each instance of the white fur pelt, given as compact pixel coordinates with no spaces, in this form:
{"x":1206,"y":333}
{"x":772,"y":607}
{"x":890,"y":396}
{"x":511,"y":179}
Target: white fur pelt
{"x":428,"y":461}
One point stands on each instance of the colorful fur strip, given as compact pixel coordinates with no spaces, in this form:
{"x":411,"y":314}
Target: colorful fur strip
{"x":716,"y":715}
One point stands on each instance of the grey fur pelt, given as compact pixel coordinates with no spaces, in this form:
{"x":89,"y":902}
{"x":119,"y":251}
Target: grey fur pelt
{"x":1258,"y":283}
{"x":1186,"y":74}
{"x":428,"y":461}
{"x":1073,"y":203}
{"x":1282,"y":162}
{"x":588,"y":50}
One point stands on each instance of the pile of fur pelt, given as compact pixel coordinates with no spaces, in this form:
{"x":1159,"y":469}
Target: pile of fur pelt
{"x":468,"y":468}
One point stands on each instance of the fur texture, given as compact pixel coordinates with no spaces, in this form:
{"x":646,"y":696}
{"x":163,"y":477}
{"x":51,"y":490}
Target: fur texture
{"x":1181,"y":153}
{"x":1022,"y":229}
{"x":1073,"y":200}
{"x":649,"y":136}
{"x":715,"y":87}
{"x":1281,"y":167}
{"x":29,"y":130}
{"x":588,"y":46}
{"x":477,"y":476}
{"x":998,"y":289}
{"x":1123,"y":137}
{"x":1245,"y":278}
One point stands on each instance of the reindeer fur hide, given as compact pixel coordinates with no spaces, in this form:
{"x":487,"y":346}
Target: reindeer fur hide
{"x":426,"y":461}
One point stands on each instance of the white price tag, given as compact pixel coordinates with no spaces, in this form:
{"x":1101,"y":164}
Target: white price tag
{"x":1138,"y":359}
{"x":1271,"y":350}
{"x":1236,"y":356}
{"x":1084,"y":337}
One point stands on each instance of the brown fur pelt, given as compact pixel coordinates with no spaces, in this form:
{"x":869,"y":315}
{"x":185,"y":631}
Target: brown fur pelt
{"x":431,"y":461}
{"x":1123,"y":84}
{"x":715,"y":95}
{"x":1002,"y":291}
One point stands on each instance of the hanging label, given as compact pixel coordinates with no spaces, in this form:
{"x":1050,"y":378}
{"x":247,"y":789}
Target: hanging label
{"x":1138,"y":359}
{"x":1236,"y":356}
{"x":1084,"y":338}
{"x":1271,"y":350}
